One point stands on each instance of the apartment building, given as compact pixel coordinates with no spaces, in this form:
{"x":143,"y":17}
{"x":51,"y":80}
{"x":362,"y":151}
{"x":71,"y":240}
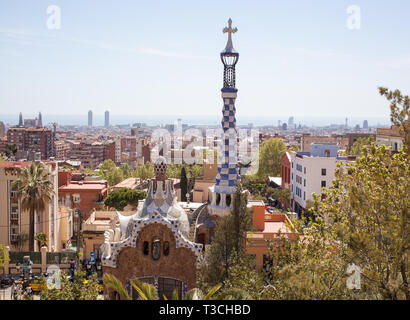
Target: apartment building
{"x":14,"y":222}
{"x":62,"y":150}
{"x":33,"y":139}
{"x":312,"y":171}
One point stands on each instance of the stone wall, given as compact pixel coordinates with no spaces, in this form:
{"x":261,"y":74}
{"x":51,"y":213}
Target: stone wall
{"x":179,"y":264}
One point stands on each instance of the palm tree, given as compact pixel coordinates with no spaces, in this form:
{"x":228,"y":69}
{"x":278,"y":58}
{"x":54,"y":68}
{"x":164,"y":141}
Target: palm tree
{"x":34,"y":189}
{"x":147,"y":291}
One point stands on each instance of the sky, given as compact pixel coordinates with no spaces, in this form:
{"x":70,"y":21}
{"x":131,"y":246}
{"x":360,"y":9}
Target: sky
{"x":297,"y":58}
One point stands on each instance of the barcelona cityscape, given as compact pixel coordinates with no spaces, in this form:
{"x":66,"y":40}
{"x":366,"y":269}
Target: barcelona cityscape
{"x":227,"y":151}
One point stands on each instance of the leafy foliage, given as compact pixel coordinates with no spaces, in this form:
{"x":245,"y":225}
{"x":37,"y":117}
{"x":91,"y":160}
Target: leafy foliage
{"x":78,"y":288}
{"x":368,"y":209}
{"x":147,"y":291}
{"x":359,"y":144}
{"x":146,"y":171}
{"x":119,"y":199}
{"x":183,"y":184}
{"x":4,"y":257}
{"x":229,"y":239}
{"x":399,"y":112}
{"x":270,"y":157}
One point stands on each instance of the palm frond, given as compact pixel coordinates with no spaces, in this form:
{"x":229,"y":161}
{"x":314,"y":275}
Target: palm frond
{"x":212,"y":291}
{"x":111,"y":281}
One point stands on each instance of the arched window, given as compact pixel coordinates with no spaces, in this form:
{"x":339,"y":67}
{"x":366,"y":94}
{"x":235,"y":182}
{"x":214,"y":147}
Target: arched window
{"x":218,"y":198}
{"x":228,"y":199}
{"x":146,"y":248}
{"x":156,"y":249}
{"x":166,"y":248}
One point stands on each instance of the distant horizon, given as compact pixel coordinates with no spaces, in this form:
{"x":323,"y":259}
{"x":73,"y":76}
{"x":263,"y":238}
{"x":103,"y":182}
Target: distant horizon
{"x":129,"y":119}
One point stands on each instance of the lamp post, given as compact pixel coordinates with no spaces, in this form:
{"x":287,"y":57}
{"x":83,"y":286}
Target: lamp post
{"x":79,"y":217}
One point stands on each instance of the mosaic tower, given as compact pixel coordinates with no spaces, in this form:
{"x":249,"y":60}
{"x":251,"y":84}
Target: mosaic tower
{"x":227,"y":175}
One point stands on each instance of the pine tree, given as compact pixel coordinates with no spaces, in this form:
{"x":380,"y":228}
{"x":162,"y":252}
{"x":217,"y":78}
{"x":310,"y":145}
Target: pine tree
{"x":183,"y":184}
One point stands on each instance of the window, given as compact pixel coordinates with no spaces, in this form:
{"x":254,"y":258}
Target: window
{"x":76,"y":198}
{"x":228,"y":200}
{"x":145,"y":248}
{"x":323,"y":184}
{"x":218,"y":199}
{"x":156,"y":249}
{"x":323,"y":172}
{"x":166,"y":248}
{"x":327,"y":153}
{"x":304,"y":195}
{"x":304,"y":182}
{"x":304,"y":170}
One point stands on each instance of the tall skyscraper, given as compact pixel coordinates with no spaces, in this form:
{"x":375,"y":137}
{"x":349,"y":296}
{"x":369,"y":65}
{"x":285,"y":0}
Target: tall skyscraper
{"x":107,"y":119}
{"x":90,"y":118}
{"x":21,"y":120}
{"x":40,"y":120}
{"x":291,"y":121}
{"x":365,"y":124}
{"x":228,"y":174}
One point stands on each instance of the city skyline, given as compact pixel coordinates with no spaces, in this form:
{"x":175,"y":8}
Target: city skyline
{"x":159,"y":60}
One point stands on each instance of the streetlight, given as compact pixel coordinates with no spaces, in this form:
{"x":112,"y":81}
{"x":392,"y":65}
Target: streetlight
{"x":78,"y":215}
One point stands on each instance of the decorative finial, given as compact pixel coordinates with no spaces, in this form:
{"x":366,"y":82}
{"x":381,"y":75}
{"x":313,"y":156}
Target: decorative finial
{"x":229,"y":30}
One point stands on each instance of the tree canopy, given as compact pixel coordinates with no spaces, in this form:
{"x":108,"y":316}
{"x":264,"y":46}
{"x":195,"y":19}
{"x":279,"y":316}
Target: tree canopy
{"x":270,"y":157}
{"x":358,"y":145}
{"x":119,"y":199}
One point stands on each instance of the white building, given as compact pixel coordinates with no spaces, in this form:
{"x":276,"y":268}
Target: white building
{"x":312,"y":171}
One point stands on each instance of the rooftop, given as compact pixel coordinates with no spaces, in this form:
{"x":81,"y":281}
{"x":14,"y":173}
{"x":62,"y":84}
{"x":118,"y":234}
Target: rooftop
{"x":84,"y":185}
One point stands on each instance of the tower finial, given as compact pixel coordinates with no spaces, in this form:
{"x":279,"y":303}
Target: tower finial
{"x":229,"y":30}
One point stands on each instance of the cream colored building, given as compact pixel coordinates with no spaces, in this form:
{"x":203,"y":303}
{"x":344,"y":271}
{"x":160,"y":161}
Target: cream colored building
{"x":93,"y":230}
{"x":14,"y":222}
{"x":391,"y":137}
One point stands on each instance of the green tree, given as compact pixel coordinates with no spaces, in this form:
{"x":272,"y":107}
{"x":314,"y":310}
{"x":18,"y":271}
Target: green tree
{"x":183,"y":183}
{"x":78,"y":288}
{"x":399,"y":112}
{"x":146,"y":171}
{"x":359,"y":144}
{"x":229,"y":237}
{"x":35,"y":189}
{"x":270,"y":158}
{"x":244,"y":281}
{"x":11,"y":150}
{"x":119,"y":199}
{"x":41,"y":239}
{"x":369,"y":210}
{"x":4,"y":257}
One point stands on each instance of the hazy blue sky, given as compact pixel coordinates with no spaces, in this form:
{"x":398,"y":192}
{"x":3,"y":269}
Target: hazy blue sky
{"x":162,"y":57}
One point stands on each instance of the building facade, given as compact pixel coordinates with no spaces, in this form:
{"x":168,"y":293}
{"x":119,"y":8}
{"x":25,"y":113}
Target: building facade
{"x":14,"y":221}
{"x":312,"y":171}
{"x":33,"y":139}
{"x":152,"y":244}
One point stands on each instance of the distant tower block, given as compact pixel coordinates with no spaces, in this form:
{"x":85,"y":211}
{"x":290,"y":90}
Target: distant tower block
{"x":40,"y":120}
{"x":346,"y":123}
{"x":107,"y":119}
{"x":2,"y":129}
{"x":90,"y":118}
{"x":21,"y":124}
{"x":365,"y":124}
{"x":227,"y":176}
{"x":291,"y":121}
